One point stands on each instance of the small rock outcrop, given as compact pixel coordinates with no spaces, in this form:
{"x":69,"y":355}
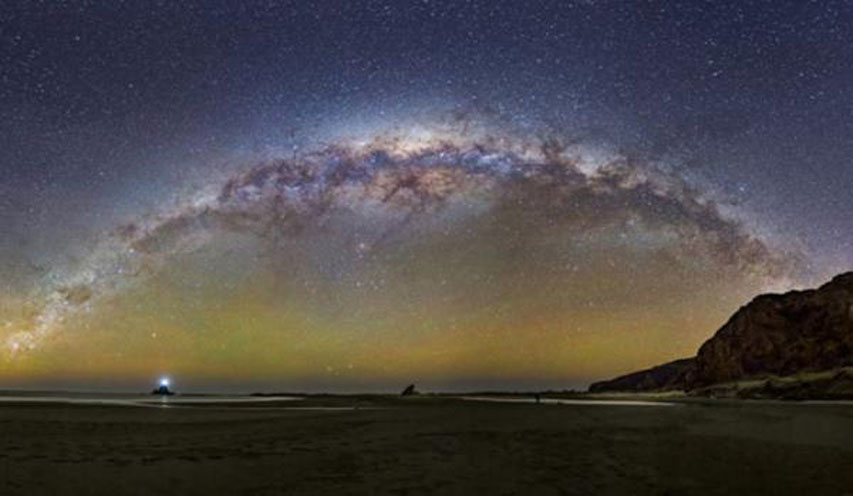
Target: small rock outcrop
{"x":773,"y":335}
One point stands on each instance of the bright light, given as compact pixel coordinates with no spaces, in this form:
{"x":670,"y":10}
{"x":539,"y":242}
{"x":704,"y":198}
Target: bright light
{"x":164,"y":381}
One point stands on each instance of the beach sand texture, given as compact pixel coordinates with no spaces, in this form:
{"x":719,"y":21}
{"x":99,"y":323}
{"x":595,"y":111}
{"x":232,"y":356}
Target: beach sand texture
{"x":426,"y":445}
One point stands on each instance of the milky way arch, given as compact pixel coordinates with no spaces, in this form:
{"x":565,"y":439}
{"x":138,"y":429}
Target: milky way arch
{"x":389,"y":180}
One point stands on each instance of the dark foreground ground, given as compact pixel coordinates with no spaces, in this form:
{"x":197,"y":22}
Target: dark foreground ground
{"x":427,"y":446}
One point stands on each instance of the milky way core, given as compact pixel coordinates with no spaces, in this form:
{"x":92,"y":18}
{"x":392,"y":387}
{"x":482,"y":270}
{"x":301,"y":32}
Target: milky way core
{"x":453,"y":253}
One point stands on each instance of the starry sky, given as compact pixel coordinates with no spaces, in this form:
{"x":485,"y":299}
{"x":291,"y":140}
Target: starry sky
{"x":356,"y":195}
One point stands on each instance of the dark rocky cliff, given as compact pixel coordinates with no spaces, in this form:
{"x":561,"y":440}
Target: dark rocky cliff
{"x":782,"y":335}
{"x":775,"y":334}
{"x":663,"y":377}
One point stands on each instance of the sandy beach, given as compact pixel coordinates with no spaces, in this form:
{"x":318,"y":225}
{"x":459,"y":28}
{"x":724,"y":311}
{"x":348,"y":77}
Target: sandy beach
{"x":425,"y":445}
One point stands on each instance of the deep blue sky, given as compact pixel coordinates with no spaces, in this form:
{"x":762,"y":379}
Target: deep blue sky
{"x":108,"y":101}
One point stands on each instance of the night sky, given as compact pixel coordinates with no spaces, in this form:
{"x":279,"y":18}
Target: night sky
{"x":352,"y":195}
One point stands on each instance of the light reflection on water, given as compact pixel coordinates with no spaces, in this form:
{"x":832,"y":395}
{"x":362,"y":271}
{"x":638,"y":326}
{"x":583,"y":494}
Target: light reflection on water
{"x":560,"y":401}
{"x":142,"y":400}
{"x":268,"y":402}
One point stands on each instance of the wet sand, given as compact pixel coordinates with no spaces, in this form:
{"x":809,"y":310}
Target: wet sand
{"x":425,"y":445}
